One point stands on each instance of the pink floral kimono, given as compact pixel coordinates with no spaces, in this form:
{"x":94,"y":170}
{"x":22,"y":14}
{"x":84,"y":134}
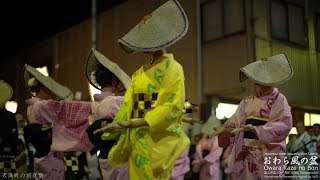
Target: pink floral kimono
{"x":252,"y":153}
{"x":70,"y":120}
{"x":209,"y":163}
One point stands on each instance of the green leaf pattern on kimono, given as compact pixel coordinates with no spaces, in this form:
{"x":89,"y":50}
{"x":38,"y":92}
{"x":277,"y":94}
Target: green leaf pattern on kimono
{"x":173,"y":116}
{"x":168,"y":62}
{"x":141,"y":137}
{"x":150,"y":86}
{"x":171,"y":97}
{"x":177,"y":129}
{"x":140,"y":160}
{"x":147,"y":176}
{"x":158,"y":75}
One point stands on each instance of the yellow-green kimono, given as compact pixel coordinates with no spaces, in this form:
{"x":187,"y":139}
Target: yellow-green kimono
{"x":157,"y":95}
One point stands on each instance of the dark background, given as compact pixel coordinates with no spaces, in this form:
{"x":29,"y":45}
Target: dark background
{"x":25,"y":22}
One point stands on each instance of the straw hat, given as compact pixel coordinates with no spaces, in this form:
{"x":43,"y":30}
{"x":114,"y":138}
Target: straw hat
{"x":268,"y":72}
{"x":158,"y":30}
{"x":60,"y":91}
{"x":94,"y":59}
{"x":5,"y":92}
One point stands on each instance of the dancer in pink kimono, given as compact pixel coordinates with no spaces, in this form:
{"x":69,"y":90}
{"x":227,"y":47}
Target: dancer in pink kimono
{"x":258,"y":129}
{"x":48,"y":164}
{"x":104,"y":75}
{"x":208,"y":152}
{"x":181,"y":166}
{"x":207,"y":158}
{"x":70,"y":119}
{"x":45,"y":161}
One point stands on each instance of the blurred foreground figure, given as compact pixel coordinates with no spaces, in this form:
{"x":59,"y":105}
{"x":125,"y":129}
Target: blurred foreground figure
{"x":12,"y":156}
{"x":208,"y":152}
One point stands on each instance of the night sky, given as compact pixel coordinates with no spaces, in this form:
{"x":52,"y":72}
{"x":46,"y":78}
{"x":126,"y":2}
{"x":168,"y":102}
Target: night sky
{"x":25,"y":22}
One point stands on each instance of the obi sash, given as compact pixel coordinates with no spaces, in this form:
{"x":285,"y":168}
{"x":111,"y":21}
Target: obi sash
{"x":71,"y":162}
{"x":254,"y":122}
{"x":142,"y":103}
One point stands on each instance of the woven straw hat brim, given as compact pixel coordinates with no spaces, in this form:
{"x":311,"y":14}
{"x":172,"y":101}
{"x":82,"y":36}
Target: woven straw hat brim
{"x":59,"y":90}
{"x":5,"y":92}
{"x":95,"y":58}
{"x":159,"y":30}
{"x":276,"y":70}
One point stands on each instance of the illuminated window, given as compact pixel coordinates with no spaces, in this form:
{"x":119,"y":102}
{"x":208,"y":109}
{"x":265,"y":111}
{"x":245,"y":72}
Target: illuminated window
{"x":225,"y":110}
{"x":293,"y":131}
{"x":43,"y":70}
{"x":93,"y":91}
{"x":11,"y":106}
{"x":311,"y":119}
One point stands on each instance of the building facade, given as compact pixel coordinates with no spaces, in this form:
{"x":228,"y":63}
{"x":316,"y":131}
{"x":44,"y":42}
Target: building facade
{"x":237,"y":32}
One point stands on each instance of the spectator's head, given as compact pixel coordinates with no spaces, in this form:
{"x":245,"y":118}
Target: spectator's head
{"x":300,"y":127}
{"x":310,"y":130}
{"x":291,"y":136}
{"x":21,"y":122}
{"x":316,"y":129}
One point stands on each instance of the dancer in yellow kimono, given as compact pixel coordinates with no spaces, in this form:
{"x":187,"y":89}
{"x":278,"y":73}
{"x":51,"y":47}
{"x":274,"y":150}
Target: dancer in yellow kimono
{"x":152,"y":137}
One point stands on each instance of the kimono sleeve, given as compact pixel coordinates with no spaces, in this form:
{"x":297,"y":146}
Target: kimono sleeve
{"x":171,"y":96}
{"x":107,"y":108}
{"x":127,"y":101}
{"x":279,"y":124}
{"x":215,"y":152}
{"x":237,"y":118}
{"x":121,"y":114}
{"x":71,"y":114}
{"x":39,"y":112}
{"x":198,"y":154}
{"x":224,"y":138}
